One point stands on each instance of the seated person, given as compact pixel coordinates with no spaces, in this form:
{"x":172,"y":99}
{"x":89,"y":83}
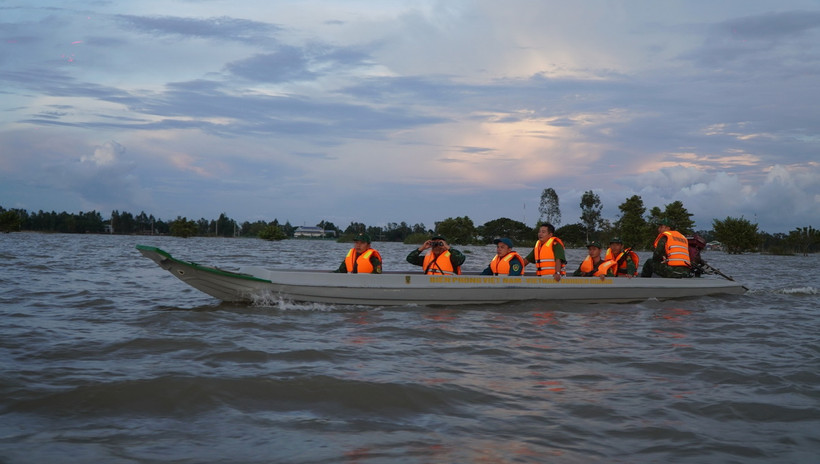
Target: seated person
{"x":361,"y":259}
{"x":506,"y":261}
{"x":626,"y":259}
{"x":441,"y":260}
{"x":593,"y":265}
{"x":670,"y":257}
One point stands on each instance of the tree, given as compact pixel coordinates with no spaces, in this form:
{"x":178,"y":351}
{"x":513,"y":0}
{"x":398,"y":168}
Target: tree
{"x":549,"y":209}
{"x":9,"y":221}
{"x":573,"y":235}
{"x":224,"y":226}
{"x":252,"y":229}
{"x":804,"y":238}
{"x":504,"y":227}
{"x":272,"y":232}
{"x":355,"y":228}
{"x":182,"y":227}
{"x":459,"y":231}
{"x":591,"y":212}
{"x":680,"y":218}
{"x":736,"y":234}
{"x":328,"y":226}
{"x":631,"y":226}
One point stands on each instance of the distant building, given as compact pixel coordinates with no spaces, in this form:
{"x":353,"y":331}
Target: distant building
{"x":717,"y":246}
{"x":309,"y":232}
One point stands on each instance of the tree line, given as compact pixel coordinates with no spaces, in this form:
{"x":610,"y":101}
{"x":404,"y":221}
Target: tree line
{"x":635,"y":225}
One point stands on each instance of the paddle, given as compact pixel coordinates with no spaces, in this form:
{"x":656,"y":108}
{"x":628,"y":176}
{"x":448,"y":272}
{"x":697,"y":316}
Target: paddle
{"x":624,"y":255}
{"x":705,"y":267}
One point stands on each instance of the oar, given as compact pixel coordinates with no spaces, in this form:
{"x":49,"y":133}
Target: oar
{"x":624,"y":255}
{"x":712,"y":270}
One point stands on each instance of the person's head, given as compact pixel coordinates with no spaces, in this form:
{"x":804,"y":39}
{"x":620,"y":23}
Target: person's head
{"x":594,"y":249}
{"x":361,"y":242}
{"x":664,"y":225}
{"x":616,"y":245}
{"x":437,"y":243}
{"x":546,"y":231}
{"x":503,"y":246}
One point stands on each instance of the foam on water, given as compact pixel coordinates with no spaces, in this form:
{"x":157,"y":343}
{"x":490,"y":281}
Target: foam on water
{"x":799,"y":291}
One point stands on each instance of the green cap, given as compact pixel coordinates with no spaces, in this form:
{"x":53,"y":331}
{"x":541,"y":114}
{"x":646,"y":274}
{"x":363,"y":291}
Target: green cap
{"x":362,"y":238}
{"x":503,"y":240}
{"x":594,"y":244}
{"x":616,"y":240}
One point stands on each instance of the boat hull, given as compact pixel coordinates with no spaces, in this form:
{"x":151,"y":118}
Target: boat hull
{"x":253,"y":284}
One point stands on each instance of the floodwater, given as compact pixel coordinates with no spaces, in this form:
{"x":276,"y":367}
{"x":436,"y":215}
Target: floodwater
{"x":105,"y":357}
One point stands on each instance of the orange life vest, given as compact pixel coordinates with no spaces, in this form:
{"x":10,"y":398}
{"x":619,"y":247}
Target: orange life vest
{"x":360,"y":264}
{"x":502,"y":266}
{"x":587,"y":266}
{"x":439,"y":265}
{"x":623,"y":260}
{"x":545,"y":258}
{"x":677,"y":248}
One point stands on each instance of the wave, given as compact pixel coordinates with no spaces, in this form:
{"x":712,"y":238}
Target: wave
{"x":186,"y":396}
{"x":276,"y":301}
{"x":798,"y":291}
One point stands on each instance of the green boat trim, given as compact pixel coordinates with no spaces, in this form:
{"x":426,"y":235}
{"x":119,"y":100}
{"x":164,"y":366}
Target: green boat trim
{"x":167,"y":257}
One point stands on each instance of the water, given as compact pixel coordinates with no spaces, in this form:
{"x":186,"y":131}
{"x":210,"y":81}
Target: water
{"x":104,"y":357}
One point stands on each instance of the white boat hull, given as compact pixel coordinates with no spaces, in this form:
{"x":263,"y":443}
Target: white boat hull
{"x":252,"y":284}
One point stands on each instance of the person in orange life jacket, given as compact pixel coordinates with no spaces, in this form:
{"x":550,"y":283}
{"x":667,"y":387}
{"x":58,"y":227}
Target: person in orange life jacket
{"x":440,"y":260}
{"x":506,"y":261}
{"x":361,"y":259}
{"x":671,"y":255}
{"x":627,"y":260}
{"x":593,"y":265}
{"x":548,"y":254}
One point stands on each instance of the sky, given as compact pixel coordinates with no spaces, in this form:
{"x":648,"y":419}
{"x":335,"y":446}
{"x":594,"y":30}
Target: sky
{"x":387,"y":111}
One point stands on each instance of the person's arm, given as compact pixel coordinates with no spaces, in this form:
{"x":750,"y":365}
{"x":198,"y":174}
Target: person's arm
{"x":377,"y":263}
{"x":560,"y":258}
{"x":659,"y":255}
{"x":530,"y":258}
{"x":487,"y":271}
{"x":415,"y":257}
{"x":342,"y":268}
{"x":457,"y":258}
{"x":516,"y":266}
{"x":631,"y":266}
{"x":578,"y":272}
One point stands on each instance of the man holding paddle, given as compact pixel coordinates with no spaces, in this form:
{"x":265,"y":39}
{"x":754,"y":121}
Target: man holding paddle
{"x":627,"y":259}
{"x":671,"y":255}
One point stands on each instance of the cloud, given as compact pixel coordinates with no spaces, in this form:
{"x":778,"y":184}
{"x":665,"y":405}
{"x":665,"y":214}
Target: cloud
{"x":398,"y":103}
{"x":221,"y":28}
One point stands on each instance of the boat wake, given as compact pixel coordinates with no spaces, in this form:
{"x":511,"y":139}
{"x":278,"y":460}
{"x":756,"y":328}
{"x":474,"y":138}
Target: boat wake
{"x":277,"y":301}
{"x":798,"y":291}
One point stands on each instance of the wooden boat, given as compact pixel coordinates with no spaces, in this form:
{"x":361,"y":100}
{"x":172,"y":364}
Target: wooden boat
{"x":253,"y":284}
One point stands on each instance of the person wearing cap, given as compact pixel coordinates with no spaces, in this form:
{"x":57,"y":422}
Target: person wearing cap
{"x":441,"y":260}
{"x":506,"y":261}
{"x":361,"y":259}
{"x":548,"y":254}
{"x":627,"y":259}
{"x":670,"y":257}
{"x":593,"y":265}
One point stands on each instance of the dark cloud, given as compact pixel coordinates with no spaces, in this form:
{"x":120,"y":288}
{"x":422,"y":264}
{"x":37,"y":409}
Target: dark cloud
{"x":293,"y":64}
{"x":221,"y":28}
{"x":772,"y":26}
{"x":285,"y":65}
